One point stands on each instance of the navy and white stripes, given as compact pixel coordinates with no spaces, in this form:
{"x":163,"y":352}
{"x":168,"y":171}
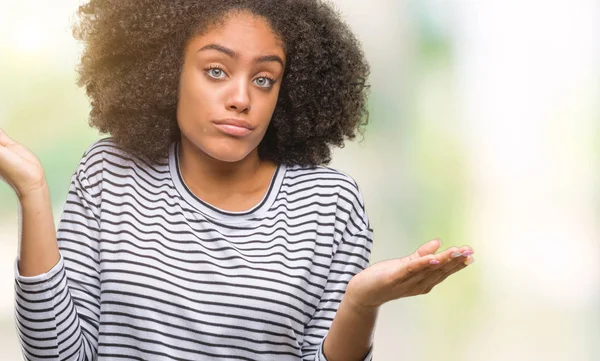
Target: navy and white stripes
{"x":148,"y":271}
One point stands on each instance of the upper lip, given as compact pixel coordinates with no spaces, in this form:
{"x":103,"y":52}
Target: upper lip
{"x":236,"y":122}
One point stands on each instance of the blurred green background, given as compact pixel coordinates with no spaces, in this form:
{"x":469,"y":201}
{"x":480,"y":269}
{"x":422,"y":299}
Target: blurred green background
{"x":484,"y":131}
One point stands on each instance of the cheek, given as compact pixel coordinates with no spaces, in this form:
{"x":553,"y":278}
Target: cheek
{"x":195,"y":99}
{"x":268,"y":106}
{"x":192,"y":89}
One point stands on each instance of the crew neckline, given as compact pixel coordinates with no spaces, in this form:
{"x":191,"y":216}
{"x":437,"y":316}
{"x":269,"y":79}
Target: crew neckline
{"x":213,"y":211}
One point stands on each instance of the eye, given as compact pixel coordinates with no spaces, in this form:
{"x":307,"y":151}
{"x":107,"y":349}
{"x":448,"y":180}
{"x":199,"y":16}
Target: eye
{"x":215,"y":72}
{"x":264,"y":82}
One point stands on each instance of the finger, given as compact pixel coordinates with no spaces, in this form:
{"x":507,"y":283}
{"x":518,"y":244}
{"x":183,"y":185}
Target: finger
{"x":446,"y":255}
{"x":447,"y":271}
{"x":422,"y":275}
{"x":453,"y":256}
{"x":4,"y":139}
{"x":421,"y":267}
{"x":428,"y":248}
{"x":418,"y":265}
{"x":445,"y":261}
{"x":452,"y":253}
{"x":440,"y":279}
{"x":466,"y":248}
{"x":8,"y":158}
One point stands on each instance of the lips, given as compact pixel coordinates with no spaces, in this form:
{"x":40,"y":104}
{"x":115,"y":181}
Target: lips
{"x":235,"y":127}
{"x":235,"y":122}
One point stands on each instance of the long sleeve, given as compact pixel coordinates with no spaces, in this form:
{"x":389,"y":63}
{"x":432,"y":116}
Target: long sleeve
{"x":351,"y":256}
{"x":57,"y":313}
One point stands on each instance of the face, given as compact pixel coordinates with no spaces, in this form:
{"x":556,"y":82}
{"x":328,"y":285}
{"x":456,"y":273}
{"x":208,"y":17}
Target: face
{"x":229,"y":86}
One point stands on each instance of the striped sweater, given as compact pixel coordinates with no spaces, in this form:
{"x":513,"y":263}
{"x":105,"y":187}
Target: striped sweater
{"x":148,"y":271}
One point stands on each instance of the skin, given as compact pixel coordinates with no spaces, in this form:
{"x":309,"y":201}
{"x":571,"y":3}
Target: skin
{"x":233,"y":70}
{"x":227,"y":172}
{"x":22,"y":171}
{"x":351,"y":333}
{"x":213,"y":164}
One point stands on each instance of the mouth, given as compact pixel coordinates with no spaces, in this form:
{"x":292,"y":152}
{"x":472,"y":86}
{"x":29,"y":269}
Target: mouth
{"x":235,"y":127}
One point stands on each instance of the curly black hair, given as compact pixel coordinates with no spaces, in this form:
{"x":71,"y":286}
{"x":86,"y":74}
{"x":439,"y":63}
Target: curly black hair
{"x":133,"y":57}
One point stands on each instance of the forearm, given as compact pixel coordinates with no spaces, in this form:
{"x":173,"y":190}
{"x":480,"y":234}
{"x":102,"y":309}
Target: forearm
{"x":38,"y":248}
{"x":351,"y":333}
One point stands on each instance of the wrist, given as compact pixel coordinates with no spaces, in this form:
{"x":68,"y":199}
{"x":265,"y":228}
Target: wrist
{"x":359,"y":310}
{"x":354,"y":302}
{"x":35,"y":198}
{"x":34,"y":195}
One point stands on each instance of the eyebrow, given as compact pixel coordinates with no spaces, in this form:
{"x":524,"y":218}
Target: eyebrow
{"x":231,"y":53}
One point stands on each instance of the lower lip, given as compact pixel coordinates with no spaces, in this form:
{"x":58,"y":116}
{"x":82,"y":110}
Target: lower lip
{"x":233,"y":130}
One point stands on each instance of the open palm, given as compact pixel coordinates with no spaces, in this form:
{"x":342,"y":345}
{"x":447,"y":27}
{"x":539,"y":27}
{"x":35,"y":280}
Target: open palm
{"x":408,"y":276}
{"x":19,"y":167}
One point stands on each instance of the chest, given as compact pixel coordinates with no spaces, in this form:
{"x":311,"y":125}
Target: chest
{"x":192,"y":275}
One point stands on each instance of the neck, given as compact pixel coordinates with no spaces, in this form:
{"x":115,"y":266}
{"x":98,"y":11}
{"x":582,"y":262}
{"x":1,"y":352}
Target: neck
{"x":214,"y":179}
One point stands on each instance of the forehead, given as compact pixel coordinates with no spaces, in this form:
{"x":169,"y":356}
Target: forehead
{"x":245,"y":33}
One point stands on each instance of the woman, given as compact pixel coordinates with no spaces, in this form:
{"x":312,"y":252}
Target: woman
{"x":207,"y":226}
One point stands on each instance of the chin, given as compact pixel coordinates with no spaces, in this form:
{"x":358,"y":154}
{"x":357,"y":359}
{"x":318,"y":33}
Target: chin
{"x":228,"y":154}
{"x":222,"y":149}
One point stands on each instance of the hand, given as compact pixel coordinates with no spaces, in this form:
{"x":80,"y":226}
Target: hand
{"x":404,"y":277}
{"x":19,"y":167}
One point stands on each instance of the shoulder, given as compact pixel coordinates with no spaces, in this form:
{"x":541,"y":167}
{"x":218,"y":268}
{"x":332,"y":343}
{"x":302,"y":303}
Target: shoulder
{"x":327,"y":180}
{"x":97,"y":151}
{"x":320,"y":175}
{"x":106,"y":156}
{"x":109,"y":151}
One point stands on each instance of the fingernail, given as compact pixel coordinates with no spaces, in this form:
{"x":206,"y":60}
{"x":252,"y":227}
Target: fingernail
{"x":454,"y":254}
{"x":469,"y":261}
{"x":467,"y":253}
{"x":434,"y":261}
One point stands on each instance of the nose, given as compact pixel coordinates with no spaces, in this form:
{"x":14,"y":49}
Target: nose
{"x":239,"y":97}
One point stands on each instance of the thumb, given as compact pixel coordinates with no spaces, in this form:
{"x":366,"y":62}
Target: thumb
{"x":428,"y":248}
{"x":4,"y":139}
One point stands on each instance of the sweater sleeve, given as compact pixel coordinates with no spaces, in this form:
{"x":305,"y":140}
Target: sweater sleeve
{"x":351,"y":256}
{"x":57,"y":313}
